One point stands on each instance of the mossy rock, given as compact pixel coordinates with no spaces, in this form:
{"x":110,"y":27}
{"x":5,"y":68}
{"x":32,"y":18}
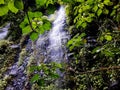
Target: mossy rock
{"x":7,"y":55}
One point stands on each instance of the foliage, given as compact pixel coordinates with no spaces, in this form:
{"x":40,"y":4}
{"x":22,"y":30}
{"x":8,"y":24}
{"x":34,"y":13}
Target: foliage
{"x":48,"y":73}
{"x":99,"y":48}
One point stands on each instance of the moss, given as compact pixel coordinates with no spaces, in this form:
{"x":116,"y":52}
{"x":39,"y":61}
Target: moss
{"x":7,"y":58}
{"x":3,"y":82}
{"x":22,"y":56}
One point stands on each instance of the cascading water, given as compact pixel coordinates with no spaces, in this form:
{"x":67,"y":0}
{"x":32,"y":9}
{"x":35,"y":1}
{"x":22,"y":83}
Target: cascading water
{"x":4,"y":31}
{"x":58,"y":37}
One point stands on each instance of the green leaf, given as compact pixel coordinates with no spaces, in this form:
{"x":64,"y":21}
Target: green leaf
{"x":26,"y":30}
{"x":34,"y":14}
{"x":41,"y":2}
{"x":108,"y":37}
{"x":3,"y":10}
{"x":47,"y":26}
{"x":35,"y":78}
{"x":105,"y":11}
{"x":84,"y":24}
{"x":41,"y":29}
{"x":34,"y":36}
{"x":99,"y":12}
{"x":2,"y":2}
{"x":11,"y":7}
{"x":37,"y":14}
{"x":95,"y":8}
{"x":19,"y":4}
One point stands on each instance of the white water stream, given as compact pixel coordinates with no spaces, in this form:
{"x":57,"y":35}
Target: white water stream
{"x":58,"y":37}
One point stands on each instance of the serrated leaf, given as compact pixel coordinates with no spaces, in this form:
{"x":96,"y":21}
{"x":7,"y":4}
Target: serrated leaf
{"x":2,"y":2}
{"x":11,"y":7}
{"x":34,"y":36}
{"x":26,"y":30}
{"x":99,"y":12}
{"x":3,"y":10}
{"x":19,"y":4}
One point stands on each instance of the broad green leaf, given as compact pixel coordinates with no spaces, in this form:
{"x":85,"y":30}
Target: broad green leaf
{"x":11,"y":7}
{"x":99,"y":12}
{"x":108,"y":37}
{"x":3,"y":10}
{"x":38,"y":14}
{"x":26,"y":30}
{"x":2,"y":2}
{"x":34,"y":36}
{"x":19,"y":4}
{"x":35,"y":14}
{"x":41,"y":29}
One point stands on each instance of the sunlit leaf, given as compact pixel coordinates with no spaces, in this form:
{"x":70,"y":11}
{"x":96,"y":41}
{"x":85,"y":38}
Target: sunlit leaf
{"x":41,"y":29}
{"x":2,"y":2}
{"x":11,"y":7}
{"x":26,"y":30}
{"x":3,"y":10}
{"x":95,"y":8}
{"x":108,"y":37}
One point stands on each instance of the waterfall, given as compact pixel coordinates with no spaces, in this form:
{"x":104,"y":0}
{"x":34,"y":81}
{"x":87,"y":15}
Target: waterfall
{"x":58,"y":37}
{"x":50,"y":47}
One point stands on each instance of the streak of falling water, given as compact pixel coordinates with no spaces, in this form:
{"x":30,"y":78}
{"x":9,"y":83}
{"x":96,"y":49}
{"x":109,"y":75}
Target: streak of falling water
{"x":58,"y":37}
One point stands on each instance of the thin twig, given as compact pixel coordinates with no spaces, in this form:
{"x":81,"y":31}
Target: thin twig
{"x":101,"y":69}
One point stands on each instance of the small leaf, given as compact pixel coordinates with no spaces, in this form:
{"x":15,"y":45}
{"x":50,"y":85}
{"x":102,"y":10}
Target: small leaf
{"x":34,"y":36}
{"x":41,"y":2}
{"x":3,"y":10}
{"x":26,"y":30}
{"x":11,"y":7}
{"x":19,"y":4}
{"x":95,"y":8}
{"x":105,"y":11}
{"x":84,"y":24}
{"x":2,"y":2}
{"x":35,"y":78}
{"x":99,"y":12}
{"x":108,"y":37}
